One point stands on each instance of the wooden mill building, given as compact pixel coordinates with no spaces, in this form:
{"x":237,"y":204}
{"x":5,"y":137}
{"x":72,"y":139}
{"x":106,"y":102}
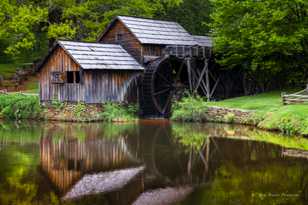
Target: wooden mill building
{"x":133,"y":59}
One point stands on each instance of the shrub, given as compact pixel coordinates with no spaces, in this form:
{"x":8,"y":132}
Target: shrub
{"x":289,"y":125}
{"x":229,"y":118}
{"x":79,"y":109}
{"x":254,"y":118}
{"x":57,"y":104}
{"x":117,"y":112}
{"x":18,"y":106}
{"x":190,"y":108}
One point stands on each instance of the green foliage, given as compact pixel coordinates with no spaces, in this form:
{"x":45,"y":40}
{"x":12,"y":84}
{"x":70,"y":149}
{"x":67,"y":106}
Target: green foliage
{"x":190,"y":108}
{"x":116,"y":112}
{"x":289,"y":126}
{"x":254,"y":118}
{"x":57,"y":104}
{"x":270,"y":113}
{"x":229,"y":118}
{"x":18,"y":106}
{"x":79,"y":109}
{"x":19,"y":26}
{"x":28,"y":27}
{"x":262,"y":37}
{"x":7,"y":70}
{"x":291,"y":119}
{"x":193,"y":15}
{"x":62,"y":30}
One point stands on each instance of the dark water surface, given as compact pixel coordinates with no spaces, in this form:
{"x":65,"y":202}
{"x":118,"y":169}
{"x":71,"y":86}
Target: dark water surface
{"x":149,"y":163}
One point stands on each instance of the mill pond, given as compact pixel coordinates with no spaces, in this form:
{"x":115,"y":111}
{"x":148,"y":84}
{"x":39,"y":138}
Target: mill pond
{"x":149,"y":163}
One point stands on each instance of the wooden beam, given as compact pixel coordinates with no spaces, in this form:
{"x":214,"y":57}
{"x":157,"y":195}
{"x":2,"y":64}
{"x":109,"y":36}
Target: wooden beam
{"x":204,"y":85}
{"x":201,"y":76}
{"x":215,"y":86}
{"x":188,"y":63}
{"x":207,"y":81}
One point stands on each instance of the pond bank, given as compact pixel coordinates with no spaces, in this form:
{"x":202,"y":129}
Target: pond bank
{"x":19,"y":106}
{"x":263,"y":111}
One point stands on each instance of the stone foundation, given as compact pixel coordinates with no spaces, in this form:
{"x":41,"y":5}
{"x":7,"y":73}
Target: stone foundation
{"x":229,"y":115}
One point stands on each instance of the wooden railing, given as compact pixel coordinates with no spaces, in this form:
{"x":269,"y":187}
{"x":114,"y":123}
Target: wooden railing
{"x":5,"y":92}
{"x":296,"y":98}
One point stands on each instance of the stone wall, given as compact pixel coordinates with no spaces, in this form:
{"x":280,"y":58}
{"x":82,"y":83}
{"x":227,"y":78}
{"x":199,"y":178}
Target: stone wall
{"x":229,"y":115}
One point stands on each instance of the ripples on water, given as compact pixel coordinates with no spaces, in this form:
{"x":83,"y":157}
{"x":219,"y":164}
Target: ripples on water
{"x":150,"y":163}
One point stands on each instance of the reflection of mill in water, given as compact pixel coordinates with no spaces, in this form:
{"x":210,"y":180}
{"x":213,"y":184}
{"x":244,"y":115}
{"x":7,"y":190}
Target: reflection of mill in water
{"x":68,"y":158}
{"x":70,"y":162}
{"x":146,"y":157}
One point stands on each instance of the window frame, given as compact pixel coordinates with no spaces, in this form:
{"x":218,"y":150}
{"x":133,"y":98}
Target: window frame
{"x":74,"y":79}
{"x":60,"y":79}
{"x":119,"y":37}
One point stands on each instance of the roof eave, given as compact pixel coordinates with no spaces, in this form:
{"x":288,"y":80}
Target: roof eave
{"x":50,"y":52}
{"x":111,"y":24}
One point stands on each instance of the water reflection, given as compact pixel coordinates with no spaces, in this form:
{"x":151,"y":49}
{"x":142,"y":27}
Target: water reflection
{"x":148,"y":163}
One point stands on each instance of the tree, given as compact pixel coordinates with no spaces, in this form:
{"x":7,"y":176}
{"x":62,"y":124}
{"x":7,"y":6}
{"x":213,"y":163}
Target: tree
{"x":20,"y":26}
{"x":266,"y":38}
{"x":193,"y":15}
{"x":27,"y":26}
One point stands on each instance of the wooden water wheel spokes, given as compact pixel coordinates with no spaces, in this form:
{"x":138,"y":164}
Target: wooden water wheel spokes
{"x":160,"y":84}
{"x":166,"y":82}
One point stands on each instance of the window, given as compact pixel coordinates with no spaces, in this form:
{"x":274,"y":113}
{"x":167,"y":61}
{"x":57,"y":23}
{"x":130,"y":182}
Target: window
{"x":119,"y":37}
{"x":77,"y":77}
{"x":57,"y":77}
{"x":72,"y":77}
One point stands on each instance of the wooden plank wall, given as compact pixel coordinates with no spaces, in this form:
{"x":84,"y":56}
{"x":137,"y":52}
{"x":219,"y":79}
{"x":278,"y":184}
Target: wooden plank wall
{"x":112,"y":85}
{"x":59,"y":61}
{"x":129,"y":41}
{"x":152,"y":50}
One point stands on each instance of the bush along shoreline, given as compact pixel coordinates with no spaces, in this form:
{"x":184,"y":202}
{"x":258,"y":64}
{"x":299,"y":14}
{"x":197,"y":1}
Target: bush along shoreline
{"x":19,"y":106}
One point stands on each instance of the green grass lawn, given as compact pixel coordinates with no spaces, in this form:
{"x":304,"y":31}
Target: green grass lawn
{"x":8,"y":70}
{"x":273,"y":114}
{"x":32,"y":85}
{"x":261,"y":102}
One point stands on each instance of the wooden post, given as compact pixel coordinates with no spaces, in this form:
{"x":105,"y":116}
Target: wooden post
{"x":283,"y":98}
{"x":201,"y":75}
{"x":188,"y":60}
{"x":207,"y":81}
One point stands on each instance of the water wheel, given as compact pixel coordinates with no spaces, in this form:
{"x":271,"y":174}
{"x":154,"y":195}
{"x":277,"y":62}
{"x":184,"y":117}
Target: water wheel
{"x":163,"y":78}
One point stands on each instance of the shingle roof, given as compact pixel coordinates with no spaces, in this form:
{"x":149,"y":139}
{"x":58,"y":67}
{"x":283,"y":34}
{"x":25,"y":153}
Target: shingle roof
{"x":149,"y":31}
{"x":204,"y":41}
{"x":100,"y":56}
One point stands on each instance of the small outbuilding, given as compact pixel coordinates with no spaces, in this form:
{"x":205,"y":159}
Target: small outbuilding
{"x":88,"y":72}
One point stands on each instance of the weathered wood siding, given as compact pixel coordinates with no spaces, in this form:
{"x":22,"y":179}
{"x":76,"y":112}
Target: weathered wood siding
{"x":110,"y":85}
{"x":129,"y":41}
{"x":59,"y":61}
{"x":152,"y":50}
